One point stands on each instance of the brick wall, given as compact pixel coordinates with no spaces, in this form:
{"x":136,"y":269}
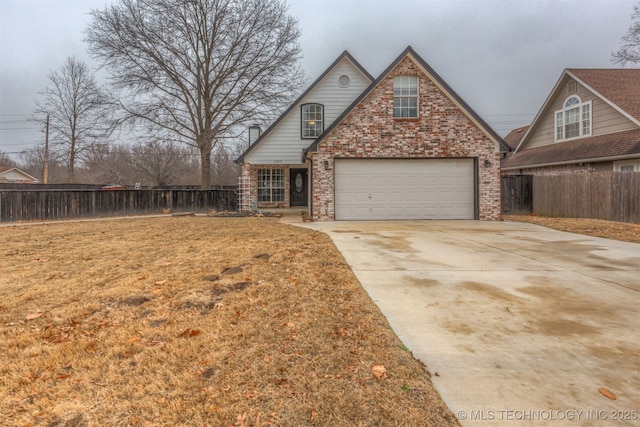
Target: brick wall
{"x":251,"y":172}
{"x":371,"y":131}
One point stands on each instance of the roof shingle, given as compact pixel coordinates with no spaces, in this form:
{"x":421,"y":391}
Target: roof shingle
{"x":620,"y":86}
{"x":598,"y":147}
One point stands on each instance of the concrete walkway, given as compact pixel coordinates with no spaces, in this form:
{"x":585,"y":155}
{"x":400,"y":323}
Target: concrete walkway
{"x":518,"y":324}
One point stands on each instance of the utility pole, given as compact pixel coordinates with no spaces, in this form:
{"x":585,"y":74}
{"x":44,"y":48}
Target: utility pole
{"x":45,"y":177}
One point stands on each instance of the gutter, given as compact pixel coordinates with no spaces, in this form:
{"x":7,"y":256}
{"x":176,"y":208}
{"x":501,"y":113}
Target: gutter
{"x":573,"y":162}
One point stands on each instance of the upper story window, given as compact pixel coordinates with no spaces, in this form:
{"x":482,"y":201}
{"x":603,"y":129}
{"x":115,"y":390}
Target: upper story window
{"x":312,"y":120}
{"x":405,"y":96}
{"x":574,"y":120}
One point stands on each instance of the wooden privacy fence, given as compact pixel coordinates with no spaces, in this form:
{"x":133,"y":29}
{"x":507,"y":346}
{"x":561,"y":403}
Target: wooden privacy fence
{"x":613,"y":196}
{"x":517,"y":194}
{"x":37,"y":205}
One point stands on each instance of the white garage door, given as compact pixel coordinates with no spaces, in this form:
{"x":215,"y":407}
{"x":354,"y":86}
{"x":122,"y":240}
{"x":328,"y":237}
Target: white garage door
{"x":374,"y":189}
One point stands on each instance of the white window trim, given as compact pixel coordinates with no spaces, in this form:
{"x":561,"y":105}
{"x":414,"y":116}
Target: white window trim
{"x":563,"y":111}
{"x":617,"y":166}
{"x":416,"y":96}
{"x":303,"y":121}
{"x":270,"y":185}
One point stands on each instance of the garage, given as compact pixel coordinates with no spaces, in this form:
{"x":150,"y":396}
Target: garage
{"x":381,"y":189}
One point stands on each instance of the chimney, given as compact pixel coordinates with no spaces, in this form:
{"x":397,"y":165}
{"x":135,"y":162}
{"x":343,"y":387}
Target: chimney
{"x":254,"y":133}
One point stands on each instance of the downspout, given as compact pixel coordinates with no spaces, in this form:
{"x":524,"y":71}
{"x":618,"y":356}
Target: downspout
{"x":305,"y":158}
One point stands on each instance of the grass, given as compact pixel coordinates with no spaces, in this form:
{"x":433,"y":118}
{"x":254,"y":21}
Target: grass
{"x":197,"y":321}
{"x":623,"y":231}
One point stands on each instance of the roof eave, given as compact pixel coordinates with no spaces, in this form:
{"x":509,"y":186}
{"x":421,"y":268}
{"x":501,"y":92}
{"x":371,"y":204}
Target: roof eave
{"x":573,"y":162}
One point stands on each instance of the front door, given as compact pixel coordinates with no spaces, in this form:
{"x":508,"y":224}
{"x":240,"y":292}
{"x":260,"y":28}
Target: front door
{"x":298,"y":183}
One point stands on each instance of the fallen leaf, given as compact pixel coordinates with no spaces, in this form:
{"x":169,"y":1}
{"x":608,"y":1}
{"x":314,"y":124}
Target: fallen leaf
{"x":379,"y":371}
{"x":33,"y":315}
{"x":314,"y":415}
{"x":160,"y":282}
{"x":603,"y":391}
{"x":194,"y":333}
{"x":133,"y":340}
{"x":249,"y":395}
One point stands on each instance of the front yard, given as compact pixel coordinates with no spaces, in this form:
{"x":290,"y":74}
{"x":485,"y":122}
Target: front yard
{"x":197,"y":321}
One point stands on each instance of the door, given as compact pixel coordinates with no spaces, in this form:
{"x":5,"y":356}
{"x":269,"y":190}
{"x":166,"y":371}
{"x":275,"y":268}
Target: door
{"x":298,"y":184}
{"x":378,"y":189}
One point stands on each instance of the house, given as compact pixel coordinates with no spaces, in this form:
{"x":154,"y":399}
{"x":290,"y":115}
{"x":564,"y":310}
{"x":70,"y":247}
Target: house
{"x":590,"y":122}
{"x":401,"y":146}
{"x":514,"y":137}
{"x":10,"y":174}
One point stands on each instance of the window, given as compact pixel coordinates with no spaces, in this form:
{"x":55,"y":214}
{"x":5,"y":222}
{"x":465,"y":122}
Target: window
{"x":574,"y":120}
{"x":312,"y":123}
{"x":627,"y":168}
{"x":405,"y":96}
{"x":270,"y":185}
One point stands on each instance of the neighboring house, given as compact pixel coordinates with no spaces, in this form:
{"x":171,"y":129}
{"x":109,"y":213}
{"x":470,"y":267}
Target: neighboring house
{"x":590,"y":122}
{"x":402,"y":146}
{"x":514,"y":137}
{"x":10,"y":174}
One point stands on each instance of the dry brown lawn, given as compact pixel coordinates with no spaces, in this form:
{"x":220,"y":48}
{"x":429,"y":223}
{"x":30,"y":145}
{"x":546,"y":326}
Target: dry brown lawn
{"x":626,"y":232}
{"x":196,"y":321}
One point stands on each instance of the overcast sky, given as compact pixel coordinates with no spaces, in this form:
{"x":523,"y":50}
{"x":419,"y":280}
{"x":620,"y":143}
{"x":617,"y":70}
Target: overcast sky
{"x":502,"y":57}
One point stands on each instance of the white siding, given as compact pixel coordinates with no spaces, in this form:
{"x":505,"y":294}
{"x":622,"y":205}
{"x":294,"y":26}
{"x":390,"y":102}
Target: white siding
{"x":284,"y":143}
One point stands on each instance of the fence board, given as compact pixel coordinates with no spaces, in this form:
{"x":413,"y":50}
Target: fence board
{"x":516,"y":194}
{"x":39,"y":205}
{"x":613,"y":196}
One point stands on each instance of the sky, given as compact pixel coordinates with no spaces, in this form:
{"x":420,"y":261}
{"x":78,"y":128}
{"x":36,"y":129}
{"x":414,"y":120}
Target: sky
{"x":502,"y":57}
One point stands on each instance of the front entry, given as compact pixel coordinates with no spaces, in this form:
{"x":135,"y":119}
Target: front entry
{"x":299,"y":185}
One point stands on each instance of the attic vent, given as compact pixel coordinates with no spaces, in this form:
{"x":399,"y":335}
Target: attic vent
{"x":344,"y":81}
{"x":572,"y":87}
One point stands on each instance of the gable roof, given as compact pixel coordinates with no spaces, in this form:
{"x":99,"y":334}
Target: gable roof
{"x":515,"y":136}
{"x":618,"y":87}
{"x":343,"y":55}
{"x":4,"y":170}
{"x":448,"y":91}
{"x":613,"y":146}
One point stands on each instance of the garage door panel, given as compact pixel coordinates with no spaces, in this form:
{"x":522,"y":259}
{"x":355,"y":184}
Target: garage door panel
{"x":404,"y":189}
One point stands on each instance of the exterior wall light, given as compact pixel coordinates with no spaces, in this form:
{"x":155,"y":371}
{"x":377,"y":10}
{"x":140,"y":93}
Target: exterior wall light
{"x":487,"y":163}
{"x":326,"y":165}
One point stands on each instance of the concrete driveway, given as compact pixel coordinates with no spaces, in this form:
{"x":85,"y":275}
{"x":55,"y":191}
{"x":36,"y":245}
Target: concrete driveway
{"x":518,"y":324}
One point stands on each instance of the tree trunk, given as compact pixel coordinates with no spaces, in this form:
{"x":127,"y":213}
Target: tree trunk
{"x":205,"y":166}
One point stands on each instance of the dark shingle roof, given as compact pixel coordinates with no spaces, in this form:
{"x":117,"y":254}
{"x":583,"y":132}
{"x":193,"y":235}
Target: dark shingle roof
{"x":515,"y":136}
{"x":620,"y":144}
{"x":620,"y":86}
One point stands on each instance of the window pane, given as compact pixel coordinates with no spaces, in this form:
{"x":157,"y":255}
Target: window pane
{"x":405,"y":101}
{"x":572,"y":130}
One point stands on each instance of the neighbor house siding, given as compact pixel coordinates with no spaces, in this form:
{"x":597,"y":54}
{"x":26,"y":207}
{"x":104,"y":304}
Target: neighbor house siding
{"x":605,"y":119}
{"x":442,"y":130}
{"x":284,"y":143}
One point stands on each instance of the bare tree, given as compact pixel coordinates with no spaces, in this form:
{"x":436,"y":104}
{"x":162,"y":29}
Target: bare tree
{"x":77,"y":109}
{"x":198,"y":69}
{"x":32,"y":162}
{"x":162,"y":162}
{"x":5,"y":159}
{"x":630,"y":49}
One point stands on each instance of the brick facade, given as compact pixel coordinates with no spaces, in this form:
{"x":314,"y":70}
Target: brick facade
{"x":250,"y":172}
{"x":441,"y":131}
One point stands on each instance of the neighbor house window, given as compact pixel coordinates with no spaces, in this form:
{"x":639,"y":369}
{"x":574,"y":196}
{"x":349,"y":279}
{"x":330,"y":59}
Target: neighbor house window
{"x":627,"y":168}
{"x":312,"y":120}
{"x":574,"y":120}
{"x":270,"y":185}
{"x":405,"y":96}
